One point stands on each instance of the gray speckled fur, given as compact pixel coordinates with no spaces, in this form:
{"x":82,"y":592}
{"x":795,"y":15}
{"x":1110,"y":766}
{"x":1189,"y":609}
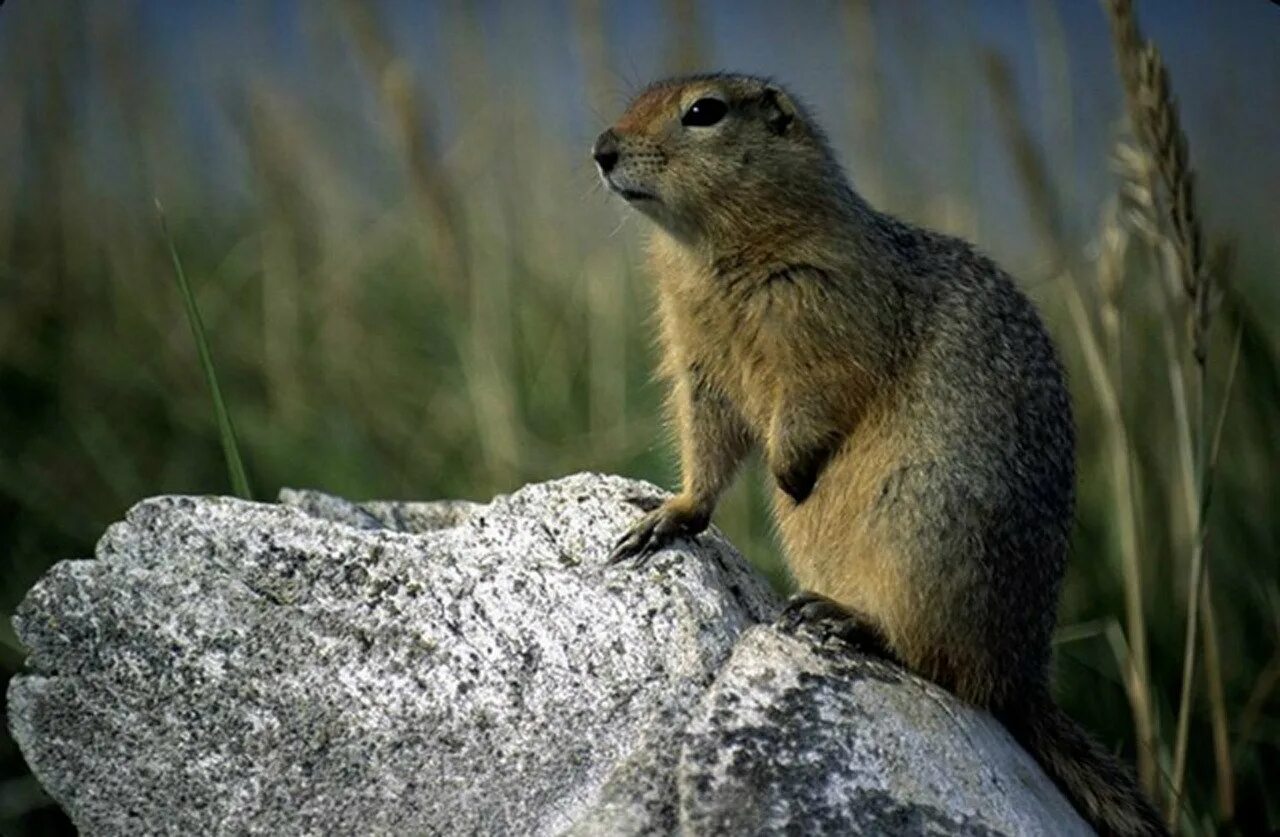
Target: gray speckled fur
{"x":992,"y":491}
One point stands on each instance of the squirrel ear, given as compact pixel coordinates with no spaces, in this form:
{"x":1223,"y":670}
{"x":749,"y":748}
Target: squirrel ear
{"x":779,"y":110}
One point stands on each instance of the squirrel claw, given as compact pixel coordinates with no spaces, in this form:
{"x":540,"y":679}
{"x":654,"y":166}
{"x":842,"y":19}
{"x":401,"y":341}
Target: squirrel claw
{"x":654,"y":531}
{"x":637,"y":542}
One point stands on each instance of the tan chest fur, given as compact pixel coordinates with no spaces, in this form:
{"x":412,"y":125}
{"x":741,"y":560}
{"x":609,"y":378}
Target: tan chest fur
{"x":726,"y":337}
{"x":834,"y":542}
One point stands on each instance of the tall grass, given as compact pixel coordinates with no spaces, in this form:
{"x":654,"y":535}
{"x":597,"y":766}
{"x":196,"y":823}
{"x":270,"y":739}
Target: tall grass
{"x":226,"y":431}
{"x":416,"y":289}
{"x":1170,"y":183}
{"x":1156,"y":202}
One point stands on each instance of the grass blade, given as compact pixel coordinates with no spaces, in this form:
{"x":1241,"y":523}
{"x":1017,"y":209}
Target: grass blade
{"x":226,"y":431}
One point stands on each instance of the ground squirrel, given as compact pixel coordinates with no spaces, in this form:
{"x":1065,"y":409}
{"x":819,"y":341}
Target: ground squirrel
{"x":905,"y":396}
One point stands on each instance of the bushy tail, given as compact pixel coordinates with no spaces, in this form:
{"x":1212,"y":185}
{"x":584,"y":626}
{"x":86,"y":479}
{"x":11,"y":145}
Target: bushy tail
{"x":1101,"y":788}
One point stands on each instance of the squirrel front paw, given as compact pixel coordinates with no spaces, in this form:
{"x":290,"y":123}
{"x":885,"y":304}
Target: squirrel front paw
{"x":676,"y":518}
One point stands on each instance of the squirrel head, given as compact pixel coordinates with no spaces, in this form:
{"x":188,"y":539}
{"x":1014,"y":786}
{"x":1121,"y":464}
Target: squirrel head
{"x":716,"y":152}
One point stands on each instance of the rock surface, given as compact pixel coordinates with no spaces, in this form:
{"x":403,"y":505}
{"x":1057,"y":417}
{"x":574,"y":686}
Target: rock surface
{"x":853,"y":745}
{"x":319,"y":666}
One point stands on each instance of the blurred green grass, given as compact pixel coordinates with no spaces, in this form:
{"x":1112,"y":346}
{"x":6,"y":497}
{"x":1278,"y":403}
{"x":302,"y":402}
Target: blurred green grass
{"x":396,"y":315}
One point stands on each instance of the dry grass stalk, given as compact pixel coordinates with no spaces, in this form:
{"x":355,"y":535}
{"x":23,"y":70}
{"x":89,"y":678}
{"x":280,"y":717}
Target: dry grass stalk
{"x":1027,"y":159}
{"x":1165,"y":142}
{"x":684,"y":51}
{"x":592,"y":48}
{"x":1054,"y":91}
{"x":1226,"y":785}
{"x":1221,"y":261}
{"x":431,"y":190}
{"x":1251,"y":714}
{"x":1155,"y":120}
{"x":1127,"y":42}
{"x":1113,"y":248}
{"x":866,"y":109}
{"x":1162,"y":134}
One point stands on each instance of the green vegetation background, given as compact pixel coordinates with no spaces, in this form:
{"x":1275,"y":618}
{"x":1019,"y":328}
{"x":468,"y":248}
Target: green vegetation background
{"x":413,"y":288}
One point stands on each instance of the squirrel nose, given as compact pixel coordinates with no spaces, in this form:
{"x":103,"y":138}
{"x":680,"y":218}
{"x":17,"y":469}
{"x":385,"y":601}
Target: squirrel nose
{"x":605,"y":151}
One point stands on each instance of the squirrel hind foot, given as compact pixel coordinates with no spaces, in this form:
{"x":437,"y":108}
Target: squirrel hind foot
{"x":827,"y":619}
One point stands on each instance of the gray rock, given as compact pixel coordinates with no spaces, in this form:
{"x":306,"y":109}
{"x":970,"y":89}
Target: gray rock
{"x":326,"y":667}
{"x":232,"y":666}
{"x":403,"y":517}
{"x":810,"y":739}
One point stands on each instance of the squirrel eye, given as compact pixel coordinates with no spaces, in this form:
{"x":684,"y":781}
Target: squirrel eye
{"x":704,"y":113}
